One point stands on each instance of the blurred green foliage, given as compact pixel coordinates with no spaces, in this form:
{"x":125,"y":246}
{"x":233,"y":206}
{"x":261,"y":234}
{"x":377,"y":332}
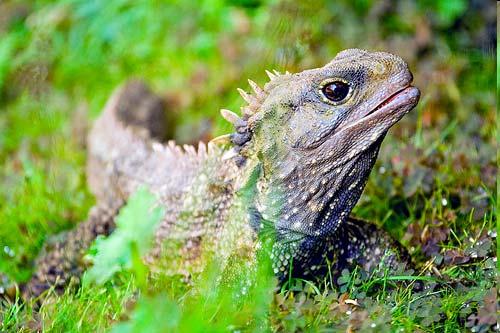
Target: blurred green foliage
{"x":433,"y":186}
{"x":132,"y":239}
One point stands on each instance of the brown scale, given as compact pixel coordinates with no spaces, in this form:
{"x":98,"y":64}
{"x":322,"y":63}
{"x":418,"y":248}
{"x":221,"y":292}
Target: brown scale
{"x":62,"y":259}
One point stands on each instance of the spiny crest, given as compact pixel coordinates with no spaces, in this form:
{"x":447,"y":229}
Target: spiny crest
{"x":171,"y":149}
{"x":244,"y":125}
{"x":253,"y":101}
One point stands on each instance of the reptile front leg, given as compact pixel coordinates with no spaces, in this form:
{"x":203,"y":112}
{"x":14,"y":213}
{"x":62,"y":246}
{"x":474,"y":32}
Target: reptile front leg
{"x":365,"y":244}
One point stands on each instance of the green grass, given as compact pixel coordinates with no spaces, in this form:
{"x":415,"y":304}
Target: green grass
{"x":433,"y":187}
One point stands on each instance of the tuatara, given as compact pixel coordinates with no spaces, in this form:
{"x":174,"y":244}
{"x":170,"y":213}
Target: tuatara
{"x":295,"y":167}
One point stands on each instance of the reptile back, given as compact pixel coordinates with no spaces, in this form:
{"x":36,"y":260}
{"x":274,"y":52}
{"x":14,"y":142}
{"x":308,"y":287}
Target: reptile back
{"x":125,"y":152}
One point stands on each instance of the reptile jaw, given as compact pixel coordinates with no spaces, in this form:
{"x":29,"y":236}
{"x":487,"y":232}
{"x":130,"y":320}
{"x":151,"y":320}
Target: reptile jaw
{"x":391,"y":110}
{"x":386,"y":101}
{"x":408,"y":93}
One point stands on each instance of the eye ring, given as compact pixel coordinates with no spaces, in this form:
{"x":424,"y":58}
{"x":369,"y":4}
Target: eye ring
{"x":335,"y":91}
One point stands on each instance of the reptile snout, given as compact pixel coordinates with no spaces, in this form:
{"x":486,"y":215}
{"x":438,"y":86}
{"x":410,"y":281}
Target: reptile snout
{"x":397,"y":69}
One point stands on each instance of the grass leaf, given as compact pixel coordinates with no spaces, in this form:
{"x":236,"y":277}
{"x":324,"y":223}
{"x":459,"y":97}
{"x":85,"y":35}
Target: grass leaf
{"x":132,"y":238}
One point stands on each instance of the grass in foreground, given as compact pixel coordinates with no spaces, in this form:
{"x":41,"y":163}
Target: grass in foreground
{"x":136,"y":300}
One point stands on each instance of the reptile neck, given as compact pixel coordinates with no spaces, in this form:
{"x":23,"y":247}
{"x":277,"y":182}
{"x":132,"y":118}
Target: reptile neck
{"x":311,"y":198}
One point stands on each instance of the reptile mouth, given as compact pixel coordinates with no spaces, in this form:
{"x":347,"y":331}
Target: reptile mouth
{"x":391,"y":110}
{"x":393,"y":99}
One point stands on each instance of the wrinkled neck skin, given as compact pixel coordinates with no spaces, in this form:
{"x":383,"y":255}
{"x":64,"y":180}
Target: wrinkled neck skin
{"x":303,"y":197}
{"x":311,"y":190}
{"x":311,"y":196}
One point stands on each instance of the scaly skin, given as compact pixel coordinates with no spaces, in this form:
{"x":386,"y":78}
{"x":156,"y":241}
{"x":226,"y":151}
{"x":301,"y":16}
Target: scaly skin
{"x":302,"y":152}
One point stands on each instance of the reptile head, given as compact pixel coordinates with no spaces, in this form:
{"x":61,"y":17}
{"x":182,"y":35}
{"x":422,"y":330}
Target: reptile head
{"x":315,"y":136}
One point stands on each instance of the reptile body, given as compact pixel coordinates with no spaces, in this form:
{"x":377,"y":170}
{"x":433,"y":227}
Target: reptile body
{"x":295,"y":167}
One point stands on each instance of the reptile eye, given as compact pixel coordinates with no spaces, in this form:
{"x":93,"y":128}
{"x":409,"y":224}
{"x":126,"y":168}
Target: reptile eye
{"x":335,"y":91}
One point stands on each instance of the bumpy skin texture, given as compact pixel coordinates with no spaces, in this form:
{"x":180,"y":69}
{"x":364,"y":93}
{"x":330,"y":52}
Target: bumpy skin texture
{"x":298,"y":165}
{"x":62,"y":259}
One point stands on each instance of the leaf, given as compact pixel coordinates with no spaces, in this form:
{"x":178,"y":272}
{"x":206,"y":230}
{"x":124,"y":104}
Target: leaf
{"x":132,"y":238}
{"x":455,"y":257}
{"x":152,"y":314}
{"x":486,"y":316}
{"x":449,"y":11}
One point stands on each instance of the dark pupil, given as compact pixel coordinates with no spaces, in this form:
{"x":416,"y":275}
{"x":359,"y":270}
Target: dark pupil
{"x":336,"y":91}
